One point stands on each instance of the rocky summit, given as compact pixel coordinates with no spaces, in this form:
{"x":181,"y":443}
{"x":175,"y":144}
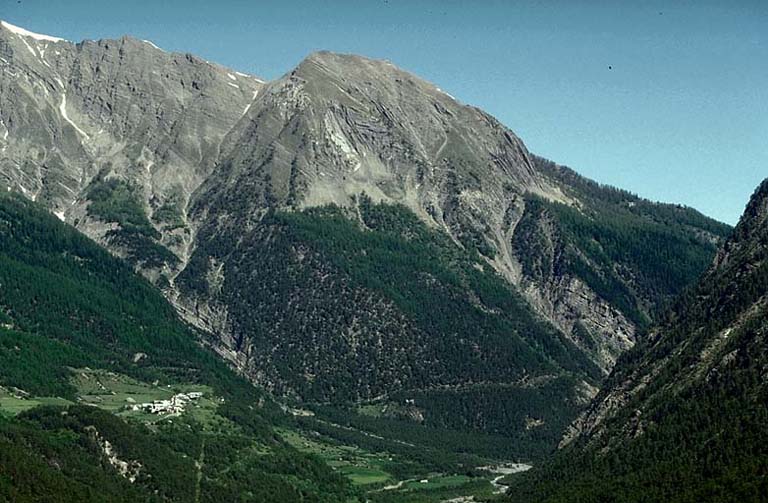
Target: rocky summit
{"x":347,"y":232}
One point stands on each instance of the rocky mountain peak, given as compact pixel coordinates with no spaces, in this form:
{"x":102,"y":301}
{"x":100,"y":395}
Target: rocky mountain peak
{"x":750,"y":236}
{"x":358,"y":125}
{"x":755,"y":218}
{"x":10,"y":29}
{"x":372,"y":75}
{"x":121,"y":118}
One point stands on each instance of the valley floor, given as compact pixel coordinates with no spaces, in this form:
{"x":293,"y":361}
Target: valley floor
{"x":381,"y":468}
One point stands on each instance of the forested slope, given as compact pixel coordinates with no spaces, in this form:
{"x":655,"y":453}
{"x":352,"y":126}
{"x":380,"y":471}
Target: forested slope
{"x":79,"y":327}
{"x":684,"y":415}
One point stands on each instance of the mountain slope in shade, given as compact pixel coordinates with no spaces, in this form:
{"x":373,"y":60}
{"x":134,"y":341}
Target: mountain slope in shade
{"x":209,"y":183}
{"x":684,"y":415}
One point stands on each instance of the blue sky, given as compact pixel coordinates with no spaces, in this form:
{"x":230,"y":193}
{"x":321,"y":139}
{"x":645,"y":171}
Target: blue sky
{"x":666,"y":99}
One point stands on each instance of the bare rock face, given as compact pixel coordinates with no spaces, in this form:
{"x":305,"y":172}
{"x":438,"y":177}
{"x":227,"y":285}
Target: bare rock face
{"x":591,"y":322}
{"x":174,"y":162}
{"x":340,"y":125}
{"x":123,"y":112}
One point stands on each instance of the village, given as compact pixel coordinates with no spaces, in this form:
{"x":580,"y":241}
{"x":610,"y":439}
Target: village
{"x":173,"y":406}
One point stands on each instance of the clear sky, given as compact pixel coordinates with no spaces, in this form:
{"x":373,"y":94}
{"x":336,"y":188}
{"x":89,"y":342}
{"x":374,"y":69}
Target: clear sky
{"x":668,"y":99}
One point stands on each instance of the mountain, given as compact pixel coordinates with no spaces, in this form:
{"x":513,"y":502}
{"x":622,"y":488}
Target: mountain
{"x":683,"y":415}
{"x":348,"y":232}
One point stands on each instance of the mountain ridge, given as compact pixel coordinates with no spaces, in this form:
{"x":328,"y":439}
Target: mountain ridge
{"x":213,"y":184}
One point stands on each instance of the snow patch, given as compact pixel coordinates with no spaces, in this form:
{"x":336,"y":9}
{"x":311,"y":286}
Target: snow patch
{"x":26,"y":33}
{"x":29,"y":47}
{"x":232,"y":77}
{"x":63,"y":110}
{"x":59,"y":214}
{"x":248,"y":107}
{"x":449,"y":95}
{"x":148,"y":42}
{"x":233,"y":85}
{"x":242,"y":74}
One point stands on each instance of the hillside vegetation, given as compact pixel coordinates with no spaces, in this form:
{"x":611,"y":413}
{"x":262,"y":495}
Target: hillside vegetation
{"x":684,"y":415}
{"x":69,"y":308}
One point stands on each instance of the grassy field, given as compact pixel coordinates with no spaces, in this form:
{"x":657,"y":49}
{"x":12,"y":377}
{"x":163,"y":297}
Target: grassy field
{"x":437,"y":491}
{"x":436,"y":482}
{"x":118,"y":393}
{"x":368,"y":471}
{"x":11,"y":405}
{"x":373,"y":410}
{"x":115,"y":392}
{"x":363,"y":468}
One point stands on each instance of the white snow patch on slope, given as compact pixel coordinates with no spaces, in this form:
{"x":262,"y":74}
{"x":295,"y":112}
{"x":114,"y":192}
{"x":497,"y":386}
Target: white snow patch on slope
{"x":232,"y":77}
{"x":247,"y":76}
{"x":149,"y":42}
{"x":449,"y":95}
{"x":248,"y":107}
{"x":26,"y":33}
{"x":60,"y":215}
{"x":63,"y":110}
{"x":29,"y":47}
{"x":233,"y":85}
{"x":42,"y":55}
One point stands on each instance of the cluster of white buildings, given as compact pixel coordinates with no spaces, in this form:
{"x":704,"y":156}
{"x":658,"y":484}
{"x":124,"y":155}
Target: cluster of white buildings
{"x":174,"y":405}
